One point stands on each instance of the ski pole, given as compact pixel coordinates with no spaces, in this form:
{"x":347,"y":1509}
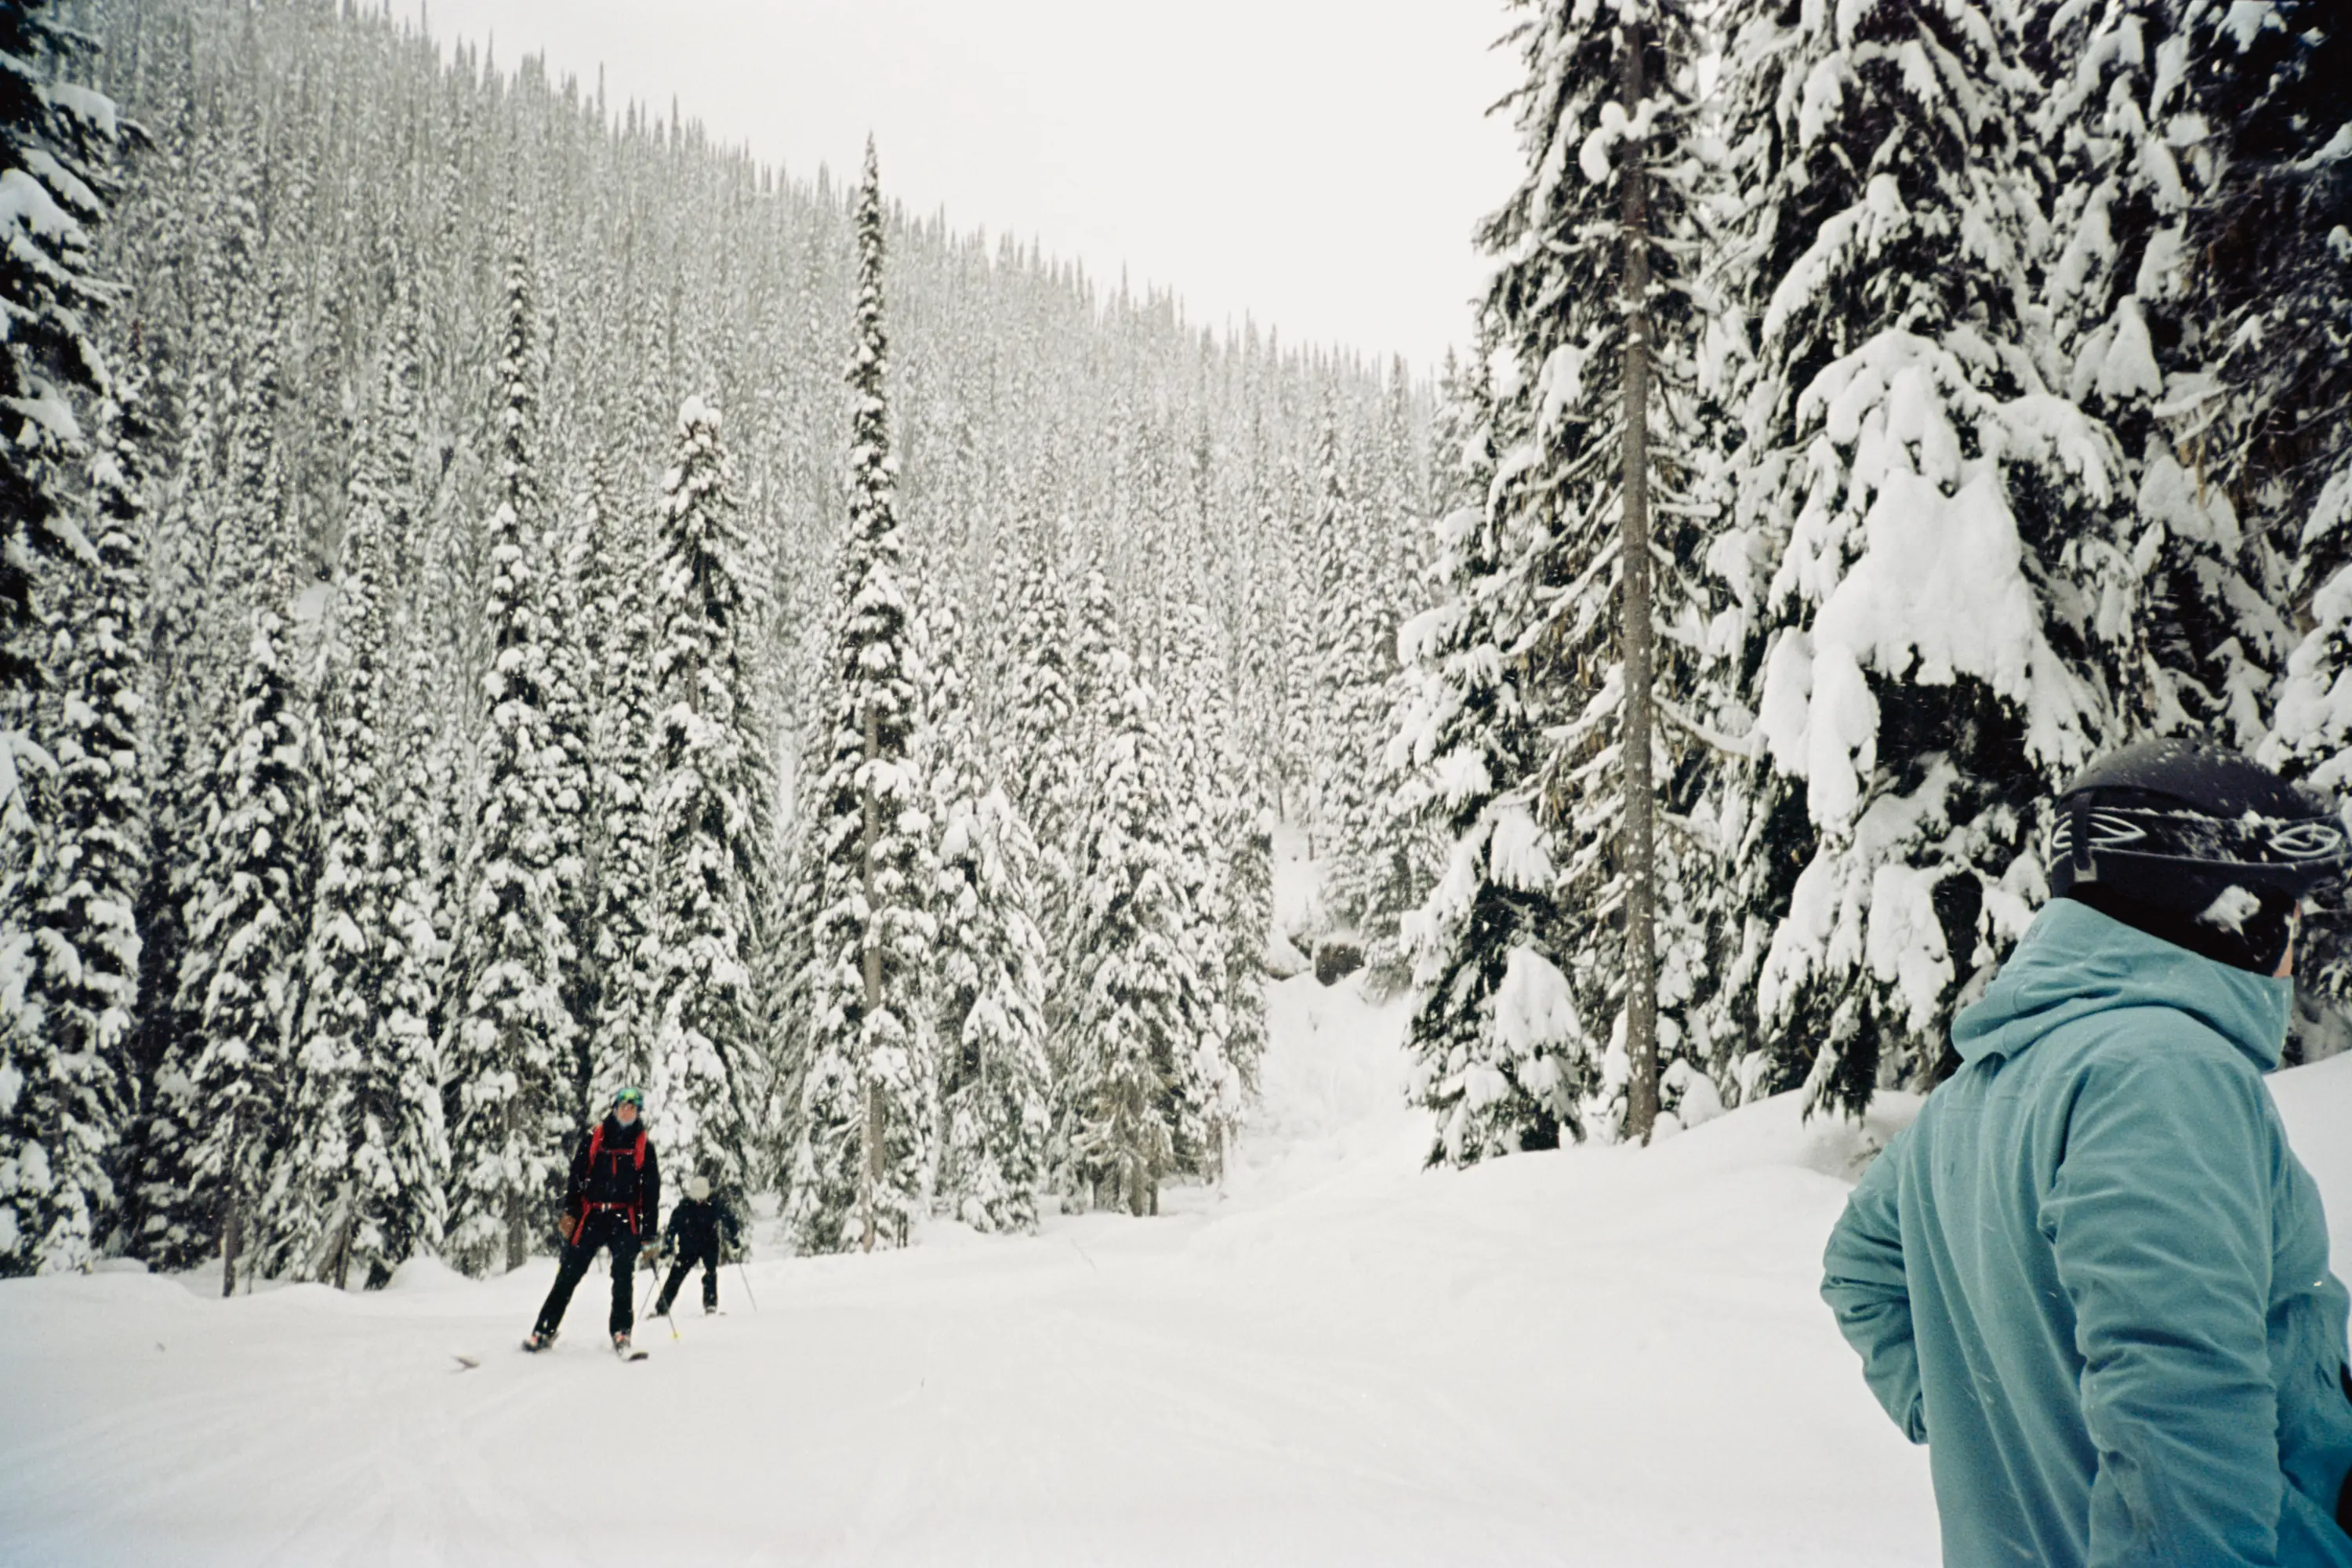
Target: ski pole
{"x":646,"y":1258}
{"x":746,"y":1284}
{"x":653,"y":1270}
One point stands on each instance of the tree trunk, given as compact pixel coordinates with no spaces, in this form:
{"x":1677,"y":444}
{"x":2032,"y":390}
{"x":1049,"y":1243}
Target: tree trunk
{"x":514,"y":1196}
{"x":872,"y":961}
{"x":232,"y":1204}
{"x":339,"y":1252}
{"x":1639,"y":843}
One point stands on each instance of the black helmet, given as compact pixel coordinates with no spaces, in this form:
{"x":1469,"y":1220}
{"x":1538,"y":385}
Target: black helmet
{"x":2199,"y":846}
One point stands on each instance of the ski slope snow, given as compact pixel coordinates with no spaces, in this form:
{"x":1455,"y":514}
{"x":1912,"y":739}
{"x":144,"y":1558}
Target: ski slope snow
{"x":1595,"y":1356}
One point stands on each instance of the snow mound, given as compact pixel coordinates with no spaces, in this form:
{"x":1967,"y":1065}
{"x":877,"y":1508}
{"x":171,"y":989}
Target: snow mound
{"x":420,"y":1274}
{"x":1282,"y":960}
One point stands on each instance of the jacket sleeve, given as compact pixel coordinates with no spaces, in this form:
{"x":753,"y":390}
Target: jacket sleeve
{"x":575,"y":1194}
{"x":2158,"y":1216}
{"x":649,"y":1194}
{"x":1863,"y":1282}
{"x":731,"y":1226}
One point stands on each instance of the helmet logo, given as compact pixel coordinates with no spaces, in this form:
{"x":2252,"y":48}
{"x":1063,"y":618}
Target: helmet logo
{"x":2308,"y":840}
{"x":2106,"y":830}
{"x":2300,"y":848}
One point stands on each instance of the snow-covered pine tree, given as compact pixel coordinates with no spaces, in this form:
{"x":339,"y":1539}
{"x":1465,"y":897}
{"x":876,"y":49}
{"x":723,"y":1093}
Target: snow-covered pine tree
{"x":1353,"y":539}
{"x":627,"y":980}
{"x":1040,"y":699}
{"x":1496,"y":1042}
{"x":1592,"y":499}
{"x":1211,"y":1081}
{"x":57,"y":144}
{"x":2276,"y":291}
{"x":244,"y":942}
{"x":575,"y":817}
{"x":2133,"y":171}
{"x":510,"y":1057}
{"x":1404,"y":855}
{"x":71,"y":1095}
{"x":856,"y":1177}
{"x":988,"y":970}
{"x":707,"y":757}
{"x":1094,"y":646}
{"x":1130,"y":967}
{"x":947,"y":757}
{"x":400,"y":1160}
{"x":2272,"y":280}
{"x":991,"y":980}
{"x":198,"y":638}
{"x":1258,"y":606}
{"x":1334,"y":581}
{"x":164,"y":1219}
{"x":1918,"y":560}
{"x":248,"y":908}
{"x":1298,"y":738}
{"x":1247,"y":835}
{"x":1038,"y":732}
{"x":309,"y":1227}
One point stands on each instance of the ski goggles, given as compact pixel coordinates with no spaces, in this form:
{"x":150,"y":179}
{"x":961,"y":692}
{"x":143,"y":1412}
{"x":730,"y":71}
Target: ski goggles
{"x":2289,"y":856}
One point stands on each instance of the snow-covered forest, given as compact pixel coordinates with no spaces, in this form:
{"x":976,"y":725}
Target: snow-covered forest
{"x":507,"y":598}
{"x":529,"y":601}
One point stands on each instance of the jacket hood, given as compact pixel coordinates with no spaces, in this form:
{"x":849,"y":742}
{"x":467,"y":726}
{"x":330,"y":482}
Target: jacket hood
{"x":2076,"y":962}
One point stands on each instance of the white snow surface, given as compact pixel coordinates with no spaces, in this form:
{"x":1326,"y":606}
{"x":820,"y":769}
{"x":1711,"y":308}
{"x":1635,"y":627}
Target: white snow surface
{"x":1595,"y":1356}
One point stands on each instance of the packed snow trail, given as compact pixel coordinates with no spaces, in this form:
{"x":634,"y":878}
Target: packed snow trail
{"x":1601,"y":1355}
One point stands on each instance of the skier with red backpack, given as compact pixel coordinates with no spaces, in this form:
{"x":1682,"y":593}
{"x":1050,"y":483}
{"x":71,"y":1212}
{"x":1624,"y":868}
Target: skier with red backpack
{"x":614,"y":1202}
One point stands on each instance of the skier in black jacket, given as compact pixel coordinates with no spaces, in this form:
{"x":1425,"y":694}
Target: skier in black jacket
{"x":615,"y":1202}
{"x":693,"y":1237}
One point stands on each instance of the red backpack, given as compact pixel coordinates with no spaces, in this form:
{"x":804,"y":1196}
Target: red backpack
{"x":595,"y":1152}
{"x":597,"y":1147}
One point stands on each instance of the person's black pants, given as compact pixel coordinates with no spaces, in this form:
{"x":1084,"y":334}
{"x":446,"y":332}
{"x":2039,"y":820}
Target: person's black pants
{"x":604,"y":1227}
{"x":678,"y":1272}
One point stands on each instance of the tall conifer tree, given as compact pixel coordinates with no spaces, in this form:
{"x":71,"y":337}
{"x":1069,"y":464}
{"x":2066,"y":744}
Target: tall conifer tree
{"x":709,"y":860}
{"x":855,"y":1176}
{"x":1131,"y":970}
{"x":511,"y":1052}
{"x":627,"y":977}
{"x":1494,"y":1044}
{"x":1921,"y":564}
{"x":57,"y":144}
{"x":71,"y":1091}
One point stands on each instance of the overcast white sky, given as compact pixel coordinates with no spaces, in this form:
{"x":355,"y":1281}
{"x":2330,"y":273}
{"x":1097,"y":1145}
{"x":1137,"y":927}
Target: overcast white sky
{"x":1317,"y":163}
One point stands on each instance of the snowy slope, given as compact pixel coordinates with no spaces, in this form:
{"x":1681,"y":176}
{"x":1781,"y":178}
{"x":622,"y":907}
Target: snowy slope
{"x":1595,"y":1356}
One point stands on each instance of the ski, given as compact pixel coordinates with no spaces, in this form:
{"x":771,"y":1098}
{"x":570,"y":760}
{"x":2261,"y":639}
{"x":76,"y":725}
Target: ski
{"x":628,"y":1351}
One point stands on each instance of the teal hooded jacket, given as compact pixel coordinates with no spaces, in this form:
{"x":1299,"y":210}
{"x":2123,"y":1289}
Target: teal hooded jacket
{"x":2092,"y":1279}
